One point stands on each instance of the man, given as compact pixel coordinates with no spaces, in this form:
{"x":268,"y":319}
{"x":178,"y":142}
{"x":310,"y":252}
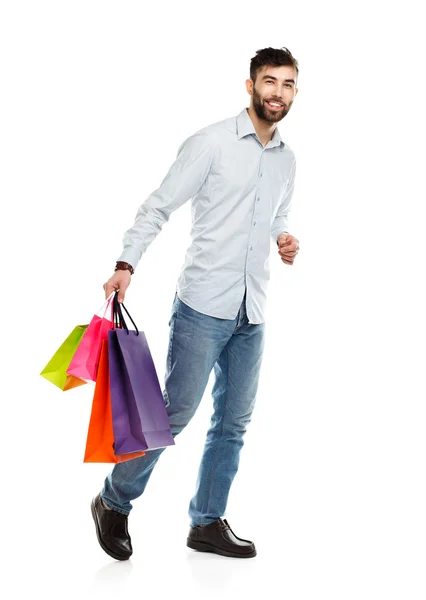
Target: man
{"x":240,"y":177}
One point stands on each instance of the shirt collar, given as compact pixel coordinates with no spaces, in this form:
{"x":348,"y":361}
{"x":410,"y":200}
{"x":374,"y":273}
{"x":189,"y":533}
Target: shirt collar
{"x":245,"y":127}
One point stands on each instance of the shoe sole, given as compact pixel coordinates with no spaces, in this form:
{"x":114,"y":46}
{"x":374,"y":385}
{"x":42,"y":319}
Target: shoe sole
{"x":98,"y":535}
{"x":203,"y":547}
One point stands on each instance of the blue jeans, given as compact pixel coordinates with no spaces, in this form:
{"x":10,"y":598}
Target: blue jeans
{"x":199,"y":343}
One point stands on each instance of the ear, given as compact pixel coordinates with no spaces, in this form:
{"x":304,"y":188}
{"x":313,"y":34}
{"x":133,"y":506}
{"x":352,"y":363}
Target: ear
{"x":249,"y":86}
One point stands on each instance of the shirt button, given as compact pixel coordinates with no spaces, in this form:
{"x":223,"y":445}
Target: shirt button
{"x":251,"y":247}
{"x":261,"y":174}
{"x":258,"y":199}
{"x":254,"y":223}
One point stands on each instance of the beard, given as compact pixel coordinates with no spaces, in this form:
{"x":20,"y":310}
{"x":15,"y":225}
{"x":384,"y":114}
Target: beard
{"x":263,"y":111}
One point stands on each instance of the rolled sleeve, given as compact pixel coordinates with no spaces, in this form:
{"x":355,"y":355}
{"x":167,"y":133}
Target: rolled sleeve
{"x":183,"y":180}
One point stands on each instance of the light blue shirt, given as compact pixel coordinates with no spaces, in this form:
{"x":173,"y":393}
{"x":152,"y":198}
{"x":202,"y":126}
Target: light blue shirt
{"x":240,"y":194}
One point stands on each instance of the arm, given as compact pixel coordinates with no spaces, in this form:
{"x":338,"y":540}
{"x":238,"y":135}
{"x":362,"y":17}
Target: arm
{"x":280,"y":222}
{"x":183,"y":180}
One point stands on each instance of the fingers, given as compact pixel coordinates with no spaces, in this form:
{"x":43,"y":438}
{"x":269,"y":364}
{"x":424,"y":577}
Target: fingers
{"x":121,"y":294}
{"x":119,"y":282}
{"x":289,"y":250}
{"x":287,"y":257}
{"x":289,"y":246}
{"x":109,"y":288}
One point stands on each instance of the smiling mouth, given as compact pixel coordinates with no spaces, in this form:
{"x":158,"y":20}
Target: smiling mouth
{"x":274,"y":107}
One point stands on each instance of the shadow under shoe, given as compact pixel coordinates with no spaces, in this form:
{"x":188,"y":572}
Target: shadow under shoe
{"x":219,"y":538}
{"x":111,"y":530}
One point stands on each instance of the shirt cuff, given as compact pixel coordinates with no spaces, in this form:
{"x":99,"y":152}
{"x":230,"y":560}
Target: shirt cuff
{"x":130,"y":255}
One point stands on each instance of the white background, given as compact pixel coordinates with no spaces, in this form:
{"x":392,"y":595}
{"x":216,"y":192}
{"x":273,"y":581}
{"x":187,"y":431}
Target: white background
{"x":97,"y":97}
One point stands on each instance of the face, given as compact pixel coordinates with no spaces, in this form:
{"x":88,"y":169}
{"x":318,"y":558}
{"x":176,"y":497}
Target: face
{"x":272,"y":84}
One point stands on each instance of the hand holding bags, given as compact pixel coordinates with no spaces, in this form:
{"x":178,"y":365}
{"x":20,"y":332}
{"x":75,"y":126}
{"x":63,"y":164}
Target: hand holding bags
{"x":140,"y":419}
{"x":128,"y":413}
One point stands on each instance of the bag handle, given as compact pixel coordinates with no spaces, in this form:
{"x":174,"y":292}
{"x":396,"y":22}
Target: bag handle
{"x":117,"y":316}
{"x":117,"y":324}
{"x":118,"y":312}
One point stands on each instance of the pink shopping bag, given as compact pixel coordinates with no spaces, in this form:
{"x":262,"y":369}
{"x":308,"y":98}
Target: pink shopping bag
{"x":84,"y":363}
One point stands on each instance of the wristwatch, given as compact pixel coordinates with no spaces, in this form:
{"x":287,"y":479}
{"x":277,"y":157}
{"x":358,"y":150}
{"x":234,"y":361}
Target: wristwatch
{"x":124,"y":266}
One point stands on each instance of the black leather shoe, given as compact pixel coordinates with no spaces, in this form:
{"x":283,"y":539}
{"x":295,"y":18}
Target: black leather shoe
{"x":219,"y":538}
{"x":111,"y":529}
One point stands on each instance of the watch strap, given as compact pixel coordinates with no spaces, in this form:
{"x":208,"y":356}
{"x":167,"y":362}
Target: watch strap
{"x":124,"y":266}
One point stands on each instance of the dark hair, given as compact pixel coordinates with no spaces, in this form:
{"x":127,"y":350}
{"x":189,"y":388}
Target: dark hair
{"x":274,"y":57}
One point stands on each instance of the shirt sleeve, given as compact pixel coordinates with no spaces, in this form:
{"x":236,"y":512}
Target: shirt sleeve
{"x":183,"y":180}
{"x":280,"y":222}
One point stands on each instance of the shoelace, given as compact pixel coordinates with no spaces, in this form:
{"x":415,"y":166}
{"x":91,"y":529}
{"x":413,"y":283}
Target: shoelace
{"x":223,"y":526}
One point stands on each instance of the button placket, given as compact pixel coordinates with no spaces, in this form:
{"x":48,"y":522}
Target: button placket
{"x":260,"y":174}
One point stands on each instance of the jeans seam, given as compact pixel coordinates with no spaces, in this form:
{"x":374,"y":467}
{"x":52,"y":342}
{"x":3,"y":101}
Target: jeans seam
{"x":221,"y":433}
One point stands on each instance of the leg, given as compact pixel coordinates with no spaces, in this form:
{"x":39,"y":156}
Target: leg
{"x":195,"y":342}
{"x":234,"y":393}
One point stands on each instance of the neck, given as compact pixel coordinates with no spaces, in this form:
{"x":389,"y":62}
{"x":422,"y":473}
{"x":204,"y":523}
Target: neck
{"x":264,"y":129}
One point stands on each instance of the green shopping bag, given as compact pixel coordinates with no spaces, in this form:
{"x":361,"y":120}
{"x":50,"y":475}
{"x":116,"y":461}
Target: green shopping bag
{"x":55,"y":370}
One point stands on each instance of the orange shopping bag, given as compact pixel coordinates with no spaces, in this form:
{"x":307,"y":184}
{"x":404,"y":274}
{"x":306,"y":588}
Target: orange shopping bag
{"x":100,"y":437}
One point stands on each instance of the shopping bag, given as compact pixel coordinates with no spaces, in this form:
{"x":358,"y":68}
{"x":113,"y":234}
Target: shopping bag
{"x":84,"y":363}
{"x":139,"y":416}
{"x":100,"y":438}
{"x":56,"y":369}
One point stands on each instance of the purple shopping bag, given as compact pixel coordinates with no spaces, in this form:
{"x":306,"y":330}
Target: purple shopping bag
{"x":139,"y":416}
